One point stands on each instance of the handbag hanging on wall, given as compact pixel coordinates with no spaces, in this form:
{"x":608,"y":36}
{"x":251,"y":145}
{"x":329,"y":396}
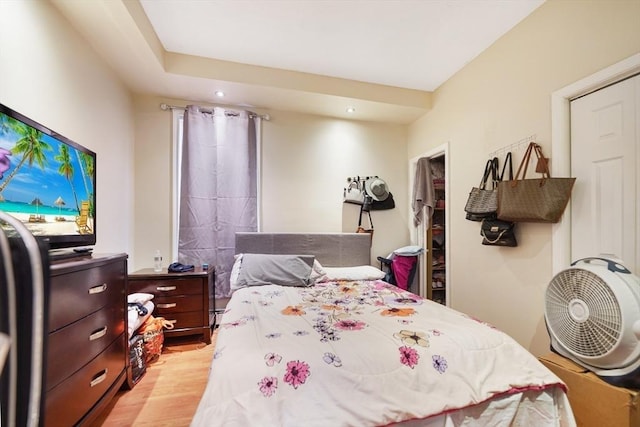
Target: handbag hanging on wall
{"x":533,"y":200}
{"x":354,"y":192}
{"x":387,"y":203}
{"x":482,"y":202}
{"x":496,"y":232}
{"x":365,"y":208}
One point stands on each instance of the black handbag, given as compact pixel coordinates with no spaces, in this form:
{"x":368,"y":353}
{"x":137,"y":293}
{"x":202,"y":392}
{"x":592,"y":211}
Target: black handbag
{"x":385,"y":204}
{"x":496,"y":232}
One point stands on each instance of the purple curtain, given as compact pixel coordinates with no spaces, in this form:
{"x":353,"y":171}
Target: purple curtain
{"x":218,"y":193}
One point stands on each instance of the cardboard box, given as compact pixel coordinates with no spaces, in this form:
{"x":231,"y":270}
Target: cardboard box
{"x":595,"y":403}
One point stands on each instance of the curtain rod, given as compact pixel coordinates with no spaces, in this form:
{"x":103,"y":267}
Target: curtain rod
{"x":166,"y":107}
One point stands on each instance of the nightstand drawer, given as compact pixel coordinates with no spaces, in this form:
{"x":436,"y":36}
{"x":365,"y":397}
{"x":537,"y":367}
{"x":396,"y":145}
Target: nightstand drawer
{"x":189,"y":319}
{"x":78,"y":343}
{"x":167,"y":287}
{"x":165,"y":306}
{"x":82,"y":292}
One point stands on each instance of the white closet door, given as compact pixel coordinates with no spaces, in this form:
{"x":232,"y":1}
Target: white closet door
{"x":605,"y":136}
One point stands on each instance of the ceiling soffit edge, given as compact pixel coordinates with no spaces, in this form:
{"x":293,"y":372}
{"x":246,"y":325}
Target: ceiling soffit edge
{"x":216,"y":69}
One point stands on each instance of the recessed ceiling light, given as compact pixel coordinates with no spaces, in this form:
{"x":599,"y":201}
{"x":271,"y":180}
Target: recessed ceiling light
{"x":219,"y":93}
{"x":351,"y":110}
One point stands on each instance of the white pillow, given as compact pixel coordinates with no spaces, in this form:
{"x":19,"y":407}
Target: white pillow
{"x":361,"y":272}
{"x":139,"y":298}
{"x":235,"y":272}
{"x":317,"y":272}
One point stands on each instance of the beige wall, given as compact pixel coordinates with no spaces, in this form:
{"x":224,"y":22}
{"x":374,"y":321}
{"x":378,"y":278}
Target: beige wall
{"x":496,"y":100}
{"x":153,"y":179}
{"x":50,"y":74}
{"x":304,"y":165}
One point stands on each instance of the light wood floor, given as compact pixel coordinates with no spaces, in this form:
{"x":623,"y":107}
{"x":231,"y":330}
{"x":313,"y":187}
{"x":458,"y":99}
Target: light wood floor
{"x":169,"y":392}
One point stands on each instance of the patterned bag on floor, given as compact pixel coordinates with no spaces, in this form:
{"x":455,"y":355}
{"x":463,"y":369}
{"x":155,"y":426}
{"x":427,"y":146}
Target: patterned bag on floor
{"x":137,"y":360}
{"x":153,"y":336}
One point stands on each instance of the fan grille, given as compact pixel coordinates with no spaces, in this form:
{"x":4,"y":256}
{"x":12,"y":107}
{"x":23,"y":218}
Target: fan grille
{"x":583,"y":313}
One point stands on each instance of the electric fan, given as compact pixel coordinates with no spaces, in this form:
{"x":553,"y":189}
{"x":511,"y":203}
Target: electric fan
{"x":592,"y":312}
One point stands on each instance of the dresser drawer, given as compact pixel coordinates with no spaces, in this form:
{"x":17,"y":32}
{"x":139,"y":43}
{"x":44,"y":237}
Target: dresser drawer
{"x":189,"y":319}
{"x":68,"y":402}
{"x":167,"y":287}
{"x":79,"y":293}
{"x":74,"y":345}
{"x":165,"y":306}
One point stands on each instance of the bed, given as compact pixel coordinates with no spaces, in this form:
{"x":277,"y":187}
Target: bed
{"x":346,"y":348}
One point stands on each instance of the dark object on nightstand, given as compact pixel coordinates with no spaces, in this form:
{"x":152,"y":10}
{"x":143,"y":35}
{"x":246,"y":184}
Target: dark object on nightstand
{"x":176,"y":267}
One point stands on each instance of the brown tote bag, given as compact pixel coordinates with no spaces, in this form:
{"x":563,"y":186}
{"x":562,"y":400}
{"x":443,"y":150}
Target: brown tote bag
{"x":533,"y":200}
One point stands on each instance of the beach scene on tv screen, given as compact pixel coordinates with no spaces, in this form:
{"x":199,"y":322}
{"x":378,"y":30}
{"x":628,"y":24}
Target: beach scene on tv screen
{"x":44,"y":182}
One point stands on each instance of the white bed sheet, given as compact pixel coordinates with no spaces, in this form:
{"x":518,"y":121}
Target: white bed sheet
{"x":369,"y":354}
{"x":532,"y":408}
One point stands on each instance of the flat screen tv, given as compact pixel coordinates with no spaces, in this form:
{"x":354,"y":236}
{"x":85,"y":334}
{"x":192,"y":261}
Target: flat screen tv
{"x":47,"y":181}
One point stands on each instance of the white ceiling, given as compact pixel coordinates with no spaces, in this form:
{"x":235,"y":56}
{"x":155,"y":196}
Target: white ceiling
{"x":315,"y":56}
{"x":416,"y":44}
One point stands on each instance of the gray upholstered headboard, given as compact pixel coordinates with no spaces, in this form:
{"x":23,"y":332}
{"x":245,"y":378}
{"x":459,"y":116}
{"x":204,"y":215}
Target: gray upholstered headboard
{"x":330,"y":249}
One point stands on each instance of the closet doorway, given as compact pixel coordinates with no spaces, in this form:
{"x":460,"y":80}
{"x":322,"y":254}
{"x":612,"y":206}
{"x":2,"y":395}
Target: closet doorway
{"x":432,"y":233}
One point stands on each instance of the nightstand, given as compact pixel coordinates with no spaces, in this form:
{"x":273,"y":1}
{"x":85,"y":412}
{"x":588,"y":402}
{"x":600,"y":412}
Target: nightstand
{"x":181,"y":298}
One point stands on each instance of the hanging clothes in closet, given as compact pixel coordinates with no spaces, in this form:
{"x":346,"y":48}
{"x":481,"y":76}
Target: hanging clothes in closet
{"x":423,"y":193}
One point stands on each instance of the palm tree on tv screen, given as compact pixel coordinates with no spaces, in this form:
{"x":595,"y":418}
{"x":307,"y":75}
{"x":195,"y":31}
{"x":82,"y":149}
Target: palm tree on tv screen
{"x":30,"y":145}
{"x":87,"y":169}
{"x":66,"y":169}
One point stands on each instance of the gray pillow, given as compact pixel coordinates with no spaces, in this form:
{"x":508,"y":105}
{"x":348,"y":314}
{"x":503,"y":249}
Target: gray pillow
{"x":267,"y":269}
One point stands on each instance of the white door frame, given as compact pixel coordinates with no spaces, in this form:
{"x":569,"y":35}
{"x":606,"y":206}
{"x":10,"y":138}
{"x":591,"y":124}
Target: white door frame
{"x":561,"y":143}
{"x":418,"y":233}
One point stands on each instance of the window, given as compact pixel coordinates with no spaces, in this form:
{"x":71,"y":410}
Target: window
{"x":178,"y":121}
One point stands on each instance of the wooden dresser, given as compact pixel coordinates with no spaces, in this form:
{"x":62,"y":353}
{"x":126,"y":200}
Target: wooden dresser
{"x":181,"y":298}
{"x":86,"y":359}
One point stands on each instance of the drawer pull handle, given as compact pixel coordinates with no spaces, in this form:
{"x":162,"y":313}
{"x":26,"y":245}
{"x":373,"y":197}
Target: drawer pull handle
{"x":97,"y":380}
{"x":98,"y":334}
{"x":166,"y":288}
{"x":98,"y":289}
{"x":168,"y":305}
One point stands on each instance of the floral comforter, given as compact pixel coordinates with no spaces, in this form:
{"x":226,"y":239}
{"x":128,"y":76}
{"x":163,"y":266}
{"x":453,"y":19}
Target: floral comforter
{"x":355,"y":354}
